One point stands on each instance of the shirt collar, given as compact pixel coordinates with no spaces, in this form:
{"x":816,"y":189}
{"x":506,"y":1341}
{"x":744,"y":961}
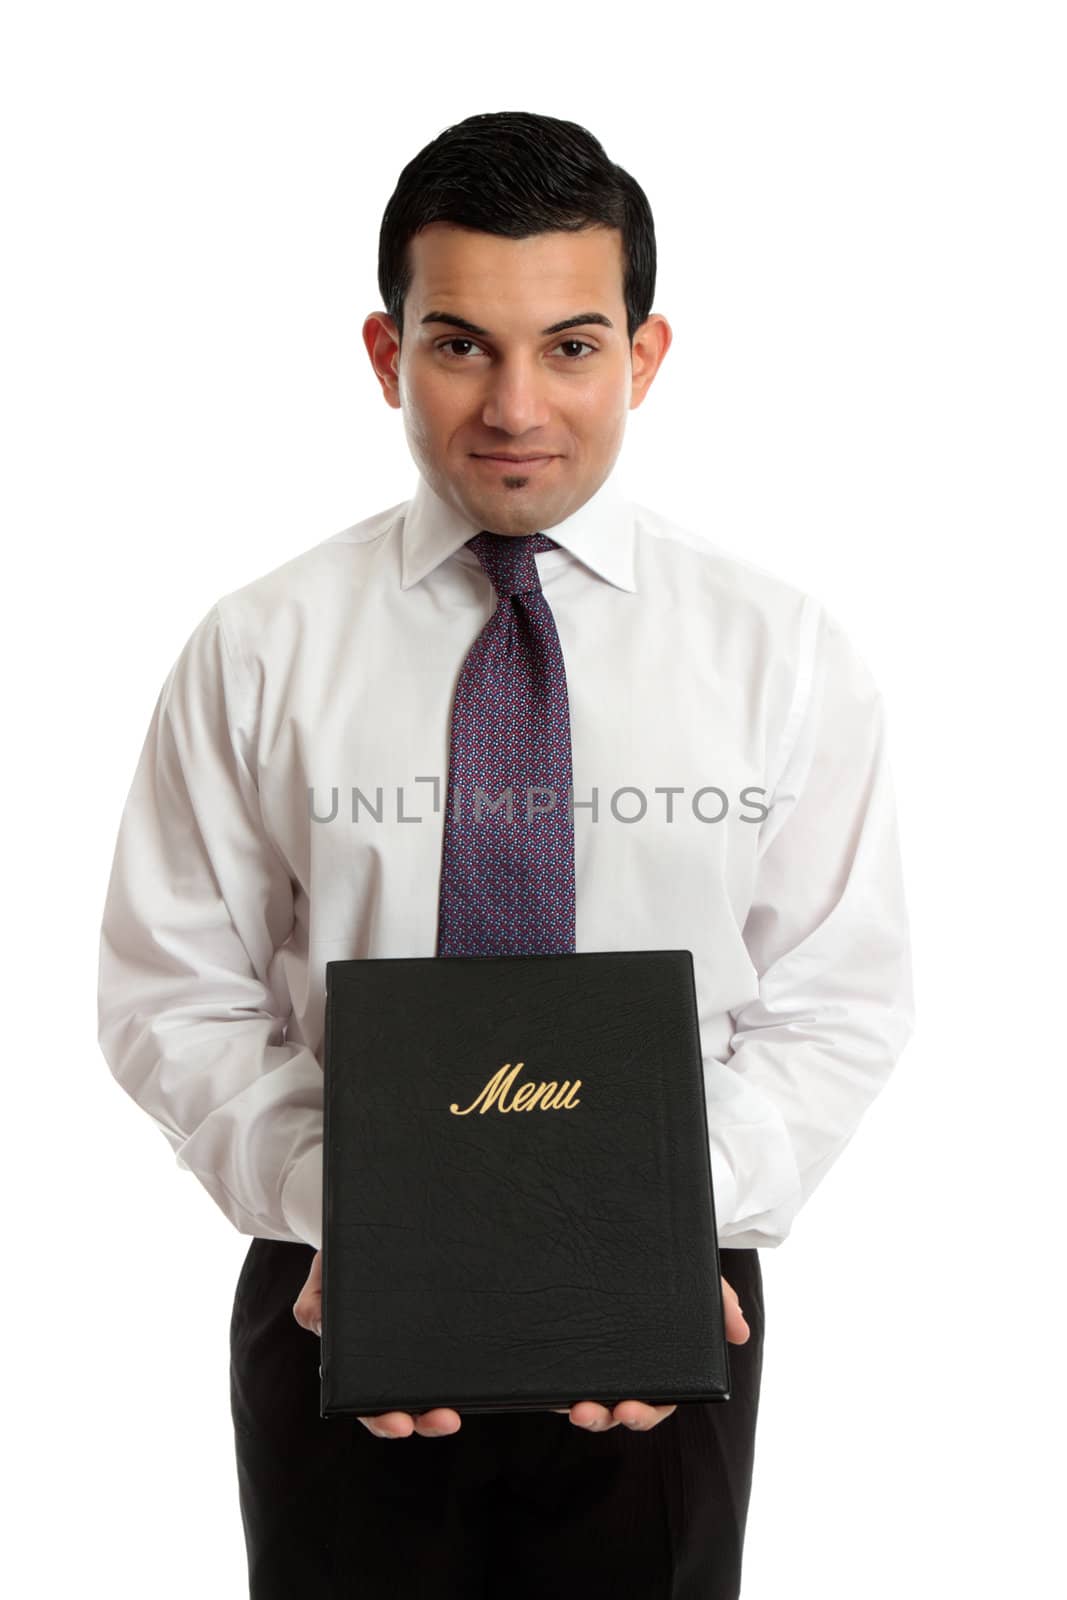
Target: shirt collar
{"x":600,"y":533}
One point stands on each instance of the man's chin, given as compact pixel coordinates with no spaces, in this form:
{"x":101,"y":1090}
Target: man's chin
{"x":514,"y":511}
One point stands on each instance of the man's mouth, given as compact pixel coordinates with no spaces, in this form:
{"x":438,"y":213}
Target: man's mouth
{"x":515,"y":461}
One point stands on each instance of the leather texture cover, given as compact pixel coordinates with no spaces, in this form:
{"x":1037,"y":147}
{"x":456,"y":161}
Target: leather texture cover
{"x":517,"y":1198}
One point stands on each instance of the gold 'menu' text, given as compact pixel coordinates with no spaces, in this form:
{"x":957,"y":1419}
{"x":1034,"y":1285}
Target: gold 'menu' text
{"x":531,"y":1096}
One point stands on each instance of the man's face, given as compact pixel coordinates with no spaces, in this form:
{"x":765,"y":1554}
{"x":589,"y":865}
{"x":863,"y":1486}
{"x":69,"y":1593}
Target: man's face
{"x":514,"y":389}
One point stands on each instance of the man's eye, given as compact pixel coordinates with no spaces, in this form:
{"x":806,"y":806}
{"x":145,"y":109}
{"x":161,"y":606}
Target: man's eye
{"x":584,"y":343}
{"x":446,"y":350}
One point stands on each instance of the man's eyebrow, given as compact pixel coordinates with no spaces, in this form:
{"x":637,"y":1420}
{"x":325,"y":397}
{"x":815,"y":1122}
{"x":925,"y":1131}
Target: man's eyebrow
{"x":579,"y":321}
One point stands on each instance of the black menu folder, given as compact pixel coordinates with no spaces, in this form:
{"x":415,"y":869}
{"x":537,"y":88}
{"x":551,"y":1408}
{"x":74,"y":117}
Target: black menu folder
{"x":517,"y":1199}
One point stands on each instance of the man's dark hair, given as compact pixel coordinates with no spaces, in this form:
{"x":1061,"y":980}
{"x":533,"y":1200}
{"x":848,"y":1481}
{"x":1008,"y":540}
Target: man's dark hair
{"x":515,"y":173}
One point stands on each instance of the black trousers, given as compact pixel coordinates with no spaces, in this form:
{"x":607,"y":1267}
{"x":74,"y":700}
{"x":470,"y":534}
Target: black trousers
{"x":514,"y":1506}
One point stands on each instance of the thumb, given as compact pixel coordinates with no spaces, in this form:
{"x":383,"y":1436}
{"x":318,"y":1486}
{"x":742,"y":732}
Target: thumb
{"x":307,"y":1308}
{"x":737,"y":1329}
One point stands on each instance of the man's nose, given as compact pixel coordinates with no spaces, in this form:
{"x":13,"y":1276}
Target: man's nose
{"x":516,"y":402}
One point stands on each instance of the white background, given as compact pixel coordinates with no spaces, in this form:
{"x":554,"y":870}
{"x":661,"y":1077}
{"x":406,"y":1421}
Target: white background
{"x":860,"y":220}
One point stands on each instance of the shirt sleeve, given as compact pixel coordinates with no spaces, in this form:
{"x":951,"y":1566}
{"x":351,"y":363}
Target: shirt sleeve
{"x":192,"y":1005}
{"x":827,"y":933}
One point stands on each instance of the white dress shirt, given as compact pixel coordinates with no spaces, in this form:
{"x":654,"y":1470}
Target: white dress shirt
{"x":702,"y":690}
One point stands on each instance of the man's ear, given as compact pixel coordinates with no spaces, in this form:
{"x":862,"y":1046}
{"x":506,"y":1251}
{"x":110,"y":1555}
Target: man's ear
{"x":650,"y":344}
{"x":382,"y":339}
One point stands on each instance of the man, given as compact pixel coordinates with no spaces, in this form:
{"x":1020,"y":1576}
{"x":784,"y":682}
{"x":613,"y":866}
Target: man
{"x":729,"y":793}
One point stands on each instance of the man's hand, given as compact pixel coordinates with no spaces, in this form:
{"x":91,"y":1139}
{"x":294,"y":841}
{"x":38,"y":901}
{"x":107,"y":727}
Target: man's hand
{"x":307,"y":1308}
{"x":584,"y":1413}
{"x":636,"y":1415}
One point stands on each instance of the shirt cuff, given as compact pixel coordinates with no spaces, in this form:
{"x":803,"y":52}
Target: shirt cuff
{"x":302,"y":1197}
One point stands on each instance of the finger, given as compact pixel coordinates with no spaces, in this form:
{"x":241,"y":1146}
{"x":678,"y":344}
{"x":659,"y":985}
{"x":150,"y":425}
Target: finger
{"x":441,"y":1420}
{"x":401,"y":1424}
{"x":635,"y":1414}
{"x":597,"y":1418}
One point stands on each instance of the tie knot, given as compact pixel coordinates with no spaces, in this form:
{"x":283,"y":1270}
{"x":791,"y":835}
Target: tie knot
{"x":509,"y":559}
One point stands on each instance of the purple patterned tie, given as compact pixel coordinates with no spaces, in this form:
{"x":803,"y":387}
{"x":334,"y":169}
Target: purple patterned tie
{"x":507,"y":886}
